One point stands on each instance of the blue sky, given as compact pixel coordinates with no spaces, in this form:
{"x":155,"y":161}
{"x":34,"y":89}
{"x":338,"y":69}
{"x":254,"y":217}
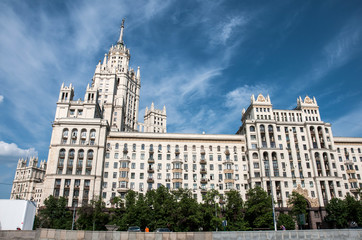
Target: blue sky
{"x":202,"y":59}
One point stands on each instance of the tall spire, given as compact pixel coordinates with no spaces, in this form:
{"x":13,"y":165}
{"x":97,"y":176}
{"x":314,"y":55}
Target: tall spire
{"x":120,"y":40}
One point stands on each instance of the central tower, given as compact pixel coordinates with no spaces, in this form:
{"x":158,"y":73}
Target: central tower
{"x":119,"y":87}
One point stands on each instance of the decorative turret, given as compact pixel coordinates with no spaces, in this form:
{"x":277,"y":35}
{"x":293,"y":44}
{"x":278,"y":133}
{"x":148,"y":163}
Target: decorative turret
{"x":120,"y":40}
{"x":138,"y":75}
{"x":260,"y":100}
{"x":91,"y":94}
{"x":308,"y":102}
{"x":66,"y":93}
{"x":155,"y":119}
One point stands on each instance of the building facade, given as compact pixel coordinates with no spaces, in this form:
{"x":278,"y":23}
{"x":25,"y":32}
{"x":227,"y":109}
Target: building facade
{"x":98,"y":148}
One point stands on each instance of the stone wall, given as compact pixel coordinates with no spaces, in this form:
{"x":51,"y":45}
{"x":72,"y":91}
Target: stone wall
{"x":48,"y":234}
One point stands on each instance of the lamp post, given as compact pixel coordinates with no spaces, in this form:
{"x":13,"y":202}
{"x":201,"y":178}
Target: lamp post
{"x":216,"y":211}
{"x":272,"y":198}
{"x":73,"y":215}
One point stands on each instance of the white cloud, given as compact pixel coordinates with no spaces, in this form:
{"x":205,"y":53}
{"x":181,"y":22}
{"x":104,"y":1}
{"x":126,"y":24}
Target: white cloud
{"x":240,"y":97}
{"x":1,"y":98}
{"x":225,"y":30}
{"x":11,"y":151}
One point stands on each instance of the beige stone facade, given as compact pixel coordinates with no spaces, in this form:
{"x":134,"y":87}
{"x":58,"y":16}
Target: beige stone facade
{"x":99,"y":149}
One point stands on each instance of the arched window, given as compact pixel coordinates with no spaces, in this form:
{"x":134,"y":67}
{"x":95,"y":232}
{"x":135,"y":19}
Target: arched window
{"x":270,"y":128}
{"x":252,"y":129}
{"x":134,"y":146}
{"x":90,"y":154}
{"x":116,"y":146}
{"x":265,"y":156}
{"x":74,"y":133}
{"x":83,"y":134}
{"x":262,"y":128}
{"x":61,"y":161}
{"x":142,"y":147}
{"x":88,"y":169}
{"x":185,"y":147}
{"x":71,"y":154}
{"x":62,"y":153}
{"x":81,"y":154}
{"x":65,"y":132}
{"x":159,"y":147}
{"x":255,"y":156}
{"x":218,"y":148}
{"x":168,"y":148}
{"x":93,"y":133}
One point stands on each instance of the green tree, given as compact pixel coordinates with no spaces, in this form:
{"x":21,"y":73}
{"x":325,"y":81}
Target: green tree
{"x":234,"y":212}
{"x":299,"y":206}
{"x":259,"y":211}
{"x":117,"y":211}
{"x":287,"y":221}
{"x":55,"y":214}
{"x":187,"y":210}
{"x":163,"y":205}
{"x":337,"y":213}
{"x":93,"y":216}
{"x":129,"y":218}
{"x":211,"y":211}
{"x":354,"y":209}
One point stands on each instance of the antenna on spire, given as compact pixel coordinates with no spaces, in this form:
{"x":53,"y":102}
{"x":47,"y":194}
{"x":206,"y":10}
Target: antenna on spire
{"x":120,"y":40}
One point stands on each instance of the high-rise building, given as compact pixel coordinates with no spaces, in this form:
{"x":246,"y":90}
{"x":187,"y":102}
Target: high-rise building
{"x":98,"y":148}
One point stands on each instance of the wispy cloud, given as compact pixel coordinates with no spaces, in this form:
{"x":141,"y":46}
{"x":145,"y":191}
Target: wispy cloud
{"x":335,"y":54}
{"x":1,"y":98}
{"x":226,"y":29}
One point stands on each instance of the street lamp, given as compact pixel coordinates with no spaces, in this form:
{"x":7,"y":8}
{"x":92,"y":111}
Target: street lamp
{"x":272,"y":198}
{"x":216,"y":211}
{"x":73,"y":215}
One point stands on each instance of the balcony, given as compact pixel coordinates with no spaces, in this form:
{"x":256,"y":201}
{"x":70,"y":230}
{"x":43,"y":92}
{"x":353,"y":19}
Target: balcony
{"x":151,"y":160}
{"x":203,"y":190}
{"x":203,"y":171}
{"x":125,"y":150}
{"x":202,"y":151}
{"x":124,"y":169}
{"x":86,"y":187}
{"x":122,"y":189}
{"x":150,"y":180}
{"x":177,"y":151}
{"x":203,"y":180}
{"x":202,"y":161}
{"x":150,"y":170}
{"x":151,"y":150}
